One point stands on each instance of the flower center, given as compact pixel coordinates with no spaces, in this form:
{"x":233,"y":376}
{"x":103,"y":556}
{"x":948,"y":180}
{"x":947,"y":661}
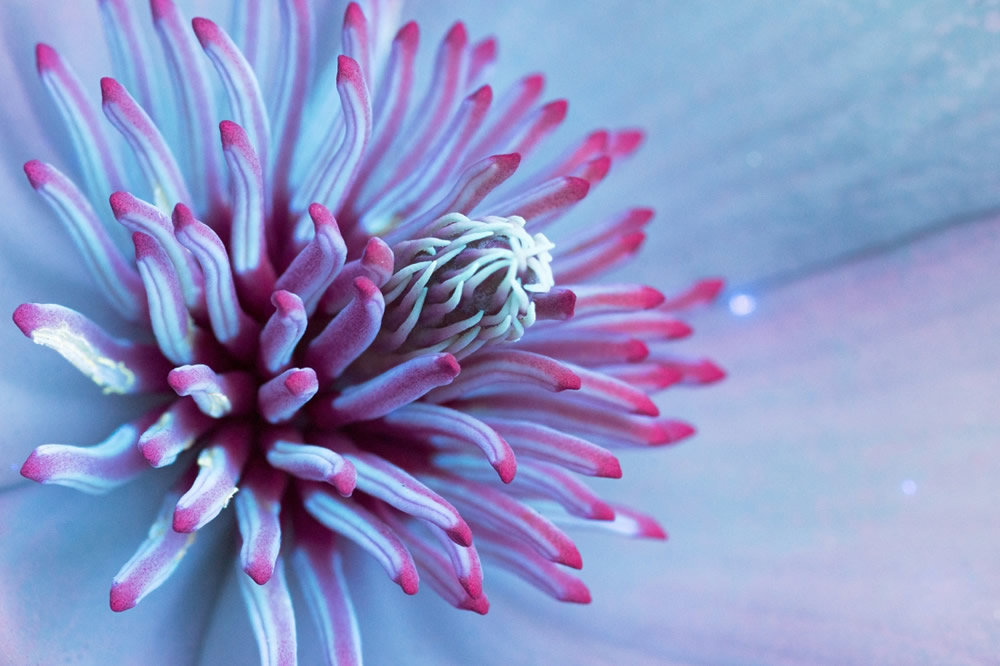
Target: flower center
{"x":467,"y":285}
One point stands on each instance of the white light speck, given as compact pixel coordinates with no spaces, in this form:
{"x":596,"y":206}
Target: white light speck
{"x":742,"y":304}
{"x":909,"y":487}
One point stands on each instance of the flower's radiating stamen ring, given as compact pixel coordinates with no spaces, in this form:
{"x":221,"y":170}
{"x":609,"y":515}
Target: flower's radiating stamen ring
{"x":304,"y":348}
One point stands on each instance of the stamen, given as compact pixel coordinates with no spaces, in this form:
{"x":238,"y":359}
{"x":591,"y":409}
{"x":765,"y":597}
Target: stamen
{"x":533,"y":440}
{"x":438,"y":571}
{"x":129,"y":54}
{"x":545,"y":120}
{"x":701,"y":293}
{"x":154,"y":156}
{"x":597,"y":260}
{"x":319,"y":262}
{"x":365,"y":529}
{"x":593,"y":299}
{"x":694,"y":372}
{"x":242,"y":88}
{"x":138,"y":216}
{"x":589,"y":350}
{"x":220,"y":463}
{"x":281,"y":397}
{"x":375,"y":264}
{"x":577,"y":416}
{"x":555,"y":195}
{"x":613,"y":392}
{"x":93,"y":469}
{"x":470,"y":188}
{"x":115,"y":278}
{"x":295,"y":64}
{"x":647,"y":376}
{"x":157,"y":556}
{"x":626,"y":142}
{"x":286,"y":451}
{"x":339,"y":174}
{"x":431,"y":421}
{"x":538,"y":480}
{"x":173,"y":433}
{"x":496,"y":510}
{"x":248,"y":244}
{"x":258,"y":514}
{"x":387,"y":392}
{"x":272,"y":617}
{"x":628,"y":522}
{"x":282,"y":332}
{"x":442,"y":159}
{"x":396,"y":487}
{"x":513,"y":106}
{"x":438,"y":102}
{"x":528,"y":566}
{"x":232,"y":327}
{"x":117,"y":366}
{"x":195,"y":95}
{"x":228,"y":394}
{"x":557,"y":304}
{"x":172,"y":325}
{"x":494,"y":368}
{"x":481,"y":60}
{"x":348,"y":334}
{"x":642,"y":325}
{"x":391,"y":104}
{"x":99,"y":163}
{"x":319,"y":568}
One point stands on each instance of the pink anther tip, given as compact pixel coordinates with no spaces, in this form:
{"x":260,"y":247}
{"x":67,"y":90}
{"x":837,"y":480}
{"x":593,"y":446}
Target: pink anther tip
{"x":46,"y":57}
{"x":38,"y":173}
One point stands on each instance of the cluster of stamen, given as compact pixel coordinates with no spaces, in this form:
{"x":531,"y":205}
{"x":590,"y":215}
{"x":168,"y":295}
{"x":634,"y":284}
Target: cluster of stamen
{"x":367,"y":314}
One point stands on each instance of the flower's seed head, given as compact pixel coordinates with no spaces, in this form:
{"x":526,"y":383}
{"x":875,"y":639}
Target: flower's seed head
{"x":466,"y":285}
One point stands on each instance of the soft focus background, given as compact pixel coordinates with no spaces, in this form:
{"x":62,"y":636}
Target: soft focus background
{"x":837,"y":163}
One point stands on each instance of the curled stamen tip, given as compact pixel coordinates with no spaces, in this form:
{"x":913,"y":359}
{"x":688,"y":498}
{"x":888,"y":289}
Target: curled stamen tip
{"x":346,"y":480}
{"x":457,"y":35}
{"x":36,"y":469}
{"x":447,"y":365}
{"x":161,"y":8}
{"x":576,"y":593}
{"x":182,"y":216}
{"x":650,"y":297}
{"x":636,"y":350}
{"x":302,"y":382}
{"x":39,"y":173}
{"x":576,"y":188}
{"x":366,"y":288}
{"x":570,"y":555}
{"x":348,"y":70}
{"x":145,"y":245}
{"x":260,"y":568}
{"x":409,"y":33}
{"x":234,"y":136}
{"x":484,"y":95}
{"x":205,"y":30}
{"x":353,"y":15}
{"x":321,"y":215}
{"x":378,"y":256}
{"x":287,"y":304}
{"x":598,"y":168}
{"x":668,"y":432}
{"x":508,"y":161}
{"x":556,"y":110}
{"x":461,"y":534}
{"x":626,"y":141}
{"x":408,"y":580}
{"x":123,"y":597}
{"x":506,"y":468}
{"x":609,"y":468}
{"x":708,"y":372}
{"x":27,"y":317}
{"x":480,"y":604}
{"x":123,"y":203}
{"x":113,"y":92}
{"x":46,"y":57}
{"x":557,"y":303}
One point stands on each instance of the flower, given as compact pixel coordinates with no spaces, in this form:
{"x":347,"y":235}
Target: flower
{"x":370,"y":301}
